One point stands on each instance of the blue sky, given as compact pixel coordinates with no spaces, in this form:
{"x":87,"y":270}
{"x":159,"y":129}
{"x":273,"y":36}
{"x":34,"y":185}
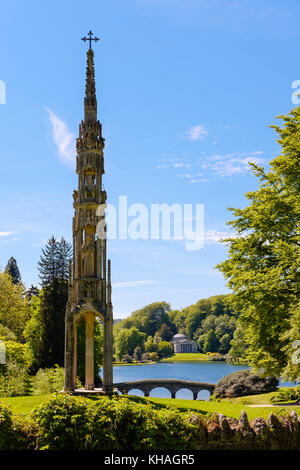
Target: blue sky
{"x":186,"y":91}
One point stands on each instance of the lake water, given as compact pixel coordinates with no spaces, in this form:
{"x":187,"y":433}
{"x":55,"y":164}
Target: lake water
{"x":210,"y":372}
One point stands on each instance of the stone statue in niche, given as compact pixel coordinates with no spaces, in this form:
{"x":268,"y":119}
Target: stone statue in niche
{"x":75,"y":196}
{"x":89,"y":188}
{"x":88,"y":254}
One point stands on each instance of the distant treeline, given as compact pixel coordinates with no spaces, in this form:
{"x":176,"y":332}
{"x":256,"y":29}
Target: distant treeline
{"x":211,"y":322}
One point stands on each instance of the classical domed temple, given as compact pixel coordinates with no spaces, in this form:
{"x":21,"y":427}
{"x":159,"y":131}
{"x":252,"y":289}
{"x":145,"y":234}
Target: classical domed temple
{"x":181,"y":344}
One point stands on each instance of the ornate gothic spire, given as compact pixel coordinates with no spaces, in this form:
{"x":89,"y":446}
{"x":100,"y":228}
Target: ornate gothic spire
{"x":90,"y":101}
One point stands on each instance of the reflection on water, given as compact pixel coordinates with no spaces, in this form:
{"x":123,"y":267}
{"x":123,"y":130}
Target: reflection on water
{"x":210,"y":372}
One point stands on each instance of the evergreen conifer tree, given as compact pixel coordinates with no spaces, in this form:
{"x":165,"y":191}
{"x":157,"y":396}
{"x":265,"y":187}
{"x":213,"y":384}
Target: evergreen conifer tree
{"x":53,"y":272}
{"x":13,"y":270}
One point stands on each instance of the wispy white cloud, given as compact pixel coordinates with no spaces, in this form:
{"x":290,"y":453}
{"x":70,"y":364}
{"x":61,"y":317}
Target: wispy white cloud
{"x":134,"y":283}
{"x":222,"y":166}
{"x":63,"y":138}
{"x":196,"y":133}
{"x":7,"y":234}
{"x":181,"y":165}
{"x":230,"y":164}
{"x":171,"y":162}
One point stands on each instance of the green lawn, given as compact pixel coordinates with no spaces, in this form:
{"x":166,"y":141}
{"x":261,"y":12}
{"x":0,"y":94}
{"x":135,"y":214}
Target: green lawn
{"x":231,"y":409}
{"x":187,"y":357}
{"x":23,"y":405}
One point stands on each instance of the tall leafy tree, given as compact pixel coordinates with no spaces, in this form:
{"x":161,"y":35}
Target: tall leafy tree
{"x":127,"y":340}
{"x":34,"y":333}
{"x":14,"y":308}
{"x":263,"y":264}
{"x":211,"y":343}
{"x":149,"y":319}
{"x":13,"y":270}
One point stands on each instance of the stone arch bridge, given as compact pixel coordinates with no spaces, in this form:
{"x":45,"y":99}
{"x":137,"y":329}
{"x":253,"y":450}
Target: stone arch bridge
{"x":173,"y":385}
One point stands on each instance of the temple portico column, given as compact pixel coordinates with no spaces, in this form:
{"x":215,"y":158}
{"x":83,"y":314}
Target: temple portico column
{"x":89,"y":351}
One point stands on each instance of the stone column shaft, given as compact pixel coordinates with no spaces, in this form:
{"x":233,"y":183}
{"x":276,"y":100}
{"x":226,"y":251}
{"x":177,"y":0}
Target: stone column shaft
{"x":75,"y":356}
{"x":68,"y":351}
{"x":89,"y":351}
{"x":108,"y":354}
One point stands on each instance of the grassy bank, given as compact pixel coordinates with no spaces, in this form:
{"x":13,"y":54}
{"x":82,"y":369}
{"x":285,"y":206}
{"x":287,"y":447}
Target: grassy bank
{"x":178,"y":357}
{"x":134,"y":363}
{"x":188,"y":357}
{"x":231,"y":409}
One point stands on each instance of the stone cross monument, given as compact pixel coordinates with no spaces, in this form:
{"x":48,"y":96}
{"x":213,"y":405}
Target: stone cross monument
{"x":89,"y":273}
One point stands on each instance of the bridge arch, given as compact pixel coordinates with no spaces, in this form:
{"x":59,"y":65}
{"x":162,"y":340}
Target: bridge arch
{"x":160,"y":388}
{"x":136,"y":391}
{"x":203,"y":395}
{"x":182,"y":391}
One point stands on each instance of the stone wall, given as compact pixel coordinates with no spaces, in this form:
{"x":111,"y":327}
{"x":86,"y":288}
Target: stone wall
{"x":275,"y":433}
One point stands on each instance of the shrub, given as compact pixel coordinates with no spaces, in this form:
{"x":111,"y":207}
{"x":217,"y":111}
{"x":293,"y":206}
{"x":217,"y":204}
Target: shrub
{"x":287,"y":394}
{"x":63,"y":423}
{"x":6,"y":427}
{"x":165,"y":349}
{"x":153,"y":356}
{"x":127,"y":358}
{"x":73,"y":423}
{"x":145,"y":357}
{"x":14,"y":379}
{"x":48,"y":381}
{"x":137,"y":354}
{"x":245,"y":382}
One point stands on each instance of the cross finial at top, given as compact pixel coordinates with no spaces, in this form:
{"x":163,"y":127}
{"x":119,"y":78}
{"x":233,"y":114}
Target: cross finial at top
{"x":90,"y":39}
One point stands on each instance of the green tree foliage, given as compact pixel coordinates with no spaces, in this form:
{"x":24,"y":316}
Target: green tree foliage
{"x":150,"y":345}
{"x":14,"y":373}
{"x":238,"y":349}
{"x":223,"y":327}
{"x":48,"y":381}
{"x":292,"y":347}
{"x":127,"y":340}
{"x":164,"y":349}
{"x":150,"y":319}
{"x":263,"y":264}
{"x":189,"y":319}
{"x":33,"y":291}
{"x":165,"y":332}
{"x":211,"y":343}
{"x":34,"y":333}
{"x":13,"y":270}
{"x":14,"y":309}
{"x":6,"y":333}
{"x":53,"y":272}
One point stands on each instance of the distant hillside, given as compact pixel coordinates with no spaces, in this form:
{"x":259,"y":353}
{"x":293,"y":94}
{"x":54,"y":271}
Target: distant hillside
{"x":211,"y":322}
